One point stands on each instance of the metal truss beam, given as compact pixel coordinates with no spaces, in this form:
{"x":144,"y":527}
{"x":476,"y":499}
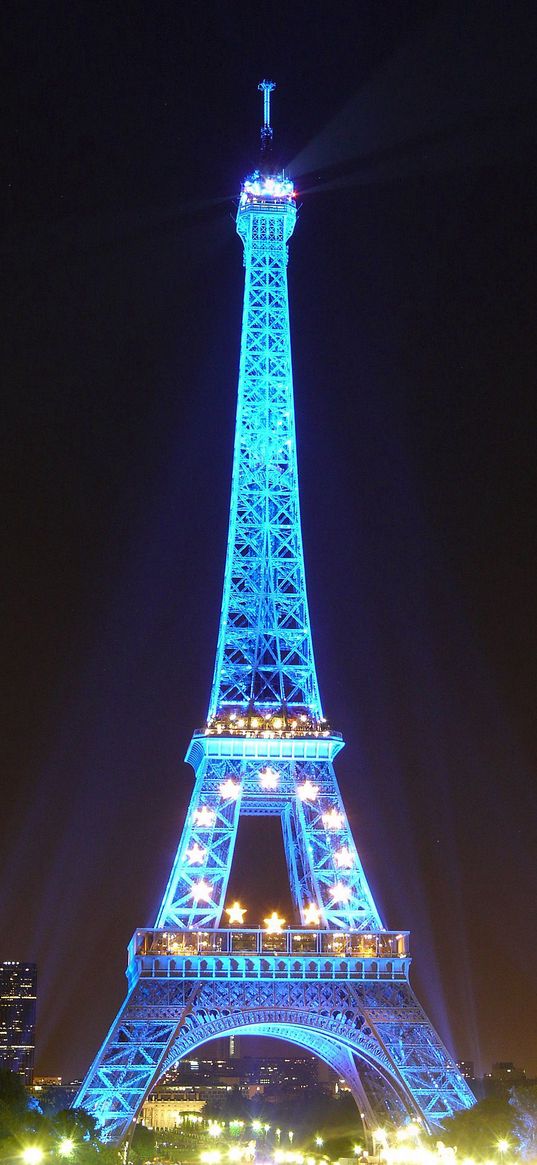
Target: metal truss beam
{"x":379,"y":1025}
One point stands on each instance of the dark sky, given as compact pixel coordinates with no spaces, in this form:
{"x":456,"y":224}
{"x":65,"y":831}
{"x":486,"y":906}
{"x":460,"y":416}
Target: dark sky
{"x":410,"y":132}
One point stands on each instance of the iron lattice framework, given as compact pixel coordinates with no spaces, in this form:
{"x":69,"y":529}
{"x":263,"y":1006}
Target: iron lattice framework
{"x":338,"y":983}
{"x":265,"y":653}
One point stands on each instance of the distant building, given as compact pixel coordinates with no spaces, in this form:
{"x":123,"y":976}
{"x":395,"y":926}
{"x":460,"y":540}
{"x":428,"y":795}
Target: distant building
{"x":466,"y":1068}
{"x":505,"y":1072}
{"x":163,"y":1115}
{"x":18,"y":991}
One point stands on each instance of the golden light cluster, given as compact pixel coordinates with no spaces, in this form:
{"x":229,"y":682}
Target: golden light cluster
{"x":272,"y":723}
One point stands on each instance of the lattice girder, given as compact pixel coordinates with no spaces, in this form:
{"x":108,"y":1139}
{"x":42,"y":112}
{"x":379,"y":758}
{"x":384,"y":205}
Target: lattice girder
{"x":379,"y":1024}
{"x":265,"y":652}
{"x":323,"y":862}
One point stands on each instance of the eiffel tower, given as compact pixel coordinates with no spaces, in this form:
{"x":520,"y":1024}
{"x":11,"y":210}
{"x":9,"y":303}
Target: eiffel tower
{"x":336,"y":981}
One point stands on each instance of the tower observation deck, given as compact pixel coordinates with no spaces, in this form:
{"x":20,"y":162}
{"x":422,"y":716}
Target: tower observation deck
{"x":332,"y":978}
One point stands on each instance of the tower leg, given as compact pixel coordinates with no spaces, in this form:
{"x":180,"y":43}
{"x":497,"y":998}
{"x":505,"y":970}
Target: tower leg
{"x":129,"y":1063}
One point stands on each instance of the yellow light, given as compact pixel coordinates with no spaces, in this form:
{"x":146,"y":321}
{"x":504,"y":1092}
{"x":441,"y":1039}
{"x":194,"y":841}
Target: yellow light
{"x":32,"y":1155}
{"x":269,"y":779}
{"x":502,"y":1145}
{"x":201,"y":891}
{"x":312,"y":916}
{"x":66,"y":1147}
{"x":277,"y":722}
{"x":236,"y":914}
{"x":357,"y":1149}
{"x":343,"y":858}
{"x":204,"y":816}
{"x":255,"y":722}
{"x":308,"y":791}
{"x":196,"y":855}
{"x":333,"y":819}
{"x":212,"y":1157}
{"x":274,"y":923}
{"x":214,"y":1130}
{"x":230,"y":790}
{"x":319,"y":1142}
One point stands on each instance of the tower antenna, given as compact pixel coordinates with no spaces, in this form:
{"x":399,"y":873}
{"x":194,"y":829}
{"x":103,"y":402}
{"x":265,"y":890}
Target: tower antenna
{"x":266,"y":88}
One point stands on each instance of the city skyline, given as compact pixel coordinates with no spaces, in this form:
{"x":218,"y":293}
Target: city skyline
{"x":423,"y":752}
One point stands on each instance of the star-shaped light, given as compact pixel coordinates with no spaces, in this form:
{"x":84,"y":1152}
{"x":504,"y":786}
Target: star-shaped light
{"x":308,"y":791}
{"x":195,"y":855}
{"x":333,"y":819}
{"x":204,"y":816}
{"x":236,"y":914}
{"x":201,"y":891}
{"x":343,"y":858}
{"x":312,"y":915}
{"x":229,"y":789}
{"x":340,"y":892}
{"x":269,"y":779}
{"x":273,"y":924}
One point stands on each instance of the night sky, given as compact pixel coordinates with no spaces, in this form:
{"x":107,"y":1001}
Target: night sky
{"x":410,"y":132}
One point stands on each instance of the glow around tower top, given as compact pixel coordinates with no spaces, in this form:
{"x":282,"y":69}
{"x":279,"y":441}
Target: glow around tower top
{"x":266,"y":184}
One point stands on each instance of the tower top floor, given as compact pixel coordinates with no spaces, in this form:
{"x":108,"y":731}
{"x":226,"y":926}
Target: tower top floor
{"x":268,"y":190}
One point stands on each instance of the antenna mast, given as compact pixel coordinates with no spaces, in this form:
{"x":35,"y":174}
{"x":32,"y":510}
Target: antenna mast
{"x":266,"y":88}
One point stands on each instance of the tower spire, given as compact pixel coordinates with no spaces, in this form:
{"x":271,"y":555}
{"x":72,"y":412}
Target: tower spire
{"x":266,"y":88}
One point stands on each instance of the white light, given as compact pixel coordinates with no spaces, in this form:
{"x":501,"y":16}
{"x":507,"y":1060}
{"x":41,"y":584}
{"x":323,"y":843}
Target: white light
{"x":308,"y":791}
{"x":196,"y":855}
{"x":343,"y":858}
{"x":333,"y":819}
{"x":230,"y":790}
{"x":340,"y":892}
{"x":312,"y":915}
{"x":66,"y":1147}
{"x":32,"y":1155}
{"x":204,"y":816}
{"x":201,"y":891}
{"x":269,"y":779}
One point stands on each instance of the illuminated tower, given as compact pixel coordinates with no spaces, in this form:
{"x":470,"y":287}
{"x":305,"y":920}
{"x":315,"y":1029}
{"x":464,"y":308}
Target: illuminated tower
{"x":335,"y":981}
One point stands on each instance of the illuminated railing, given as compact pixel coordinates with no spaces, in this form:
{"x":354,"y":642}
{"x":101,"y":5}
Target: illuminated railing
{"x":338,"y":944}
{"x":267,"y":724}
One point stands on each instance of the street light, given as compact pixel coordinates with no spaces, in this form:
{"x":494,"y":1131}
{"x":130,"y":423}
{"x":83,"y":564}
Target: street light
{"x":502,"y":1145}
{"x":66,"y":1147}
{"x":32,"y":1155}
{"x":319,"y":1142}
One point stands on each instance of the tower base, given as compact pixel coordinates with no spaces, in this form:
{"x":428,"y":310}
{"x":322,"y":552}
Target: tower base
{"x":356,"y":1011}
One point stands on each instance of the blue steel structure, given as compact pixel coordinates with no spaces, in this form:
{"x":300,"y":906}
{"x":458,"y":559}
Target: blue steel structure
{"x":337,"y":981}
